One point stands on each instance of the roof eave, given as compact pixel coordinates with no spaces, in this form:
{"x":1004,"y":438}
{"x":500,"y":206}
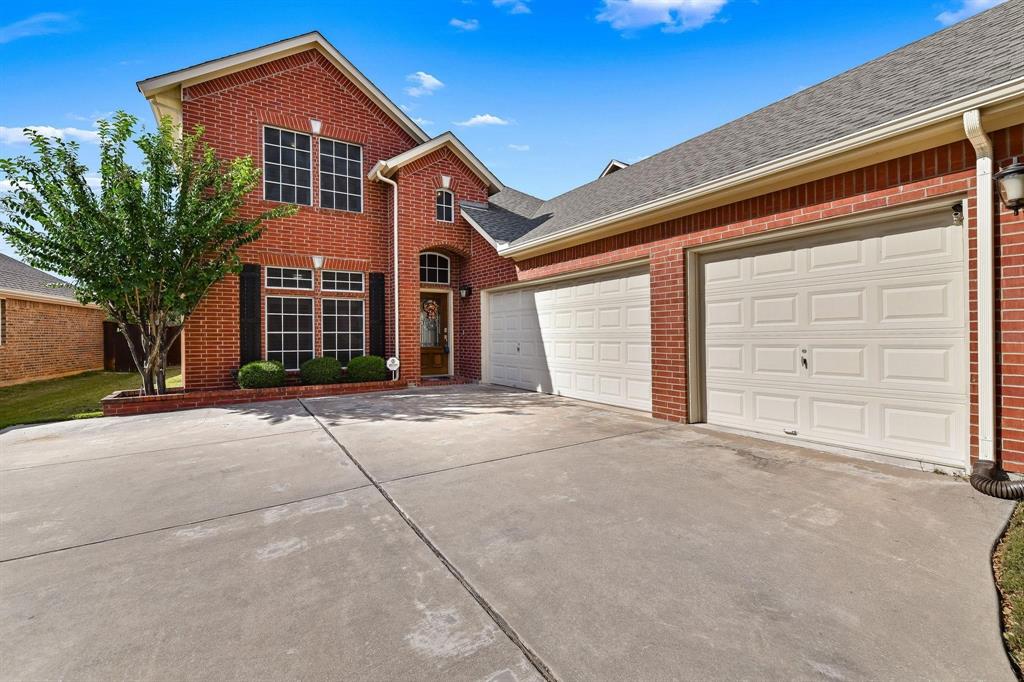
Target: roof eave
{"x":1004,"y":102}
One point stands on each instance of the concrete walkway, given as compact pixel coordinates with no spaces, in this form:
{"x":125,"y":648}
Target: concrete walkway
{"x":476,"y":533}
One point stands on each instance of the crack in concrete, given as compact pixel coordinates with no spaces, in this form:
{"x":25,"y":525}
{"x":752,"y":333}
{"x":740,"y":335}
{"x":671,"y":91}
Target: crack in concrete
{"x":499,"y":620}
{"x":184,"y":525}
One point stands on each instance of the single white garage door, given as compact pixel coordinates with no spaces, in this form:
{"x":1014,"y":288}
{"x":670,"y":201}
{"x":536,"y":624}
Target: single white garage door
{"x":587,"y":338}
{"x":856,"y":339}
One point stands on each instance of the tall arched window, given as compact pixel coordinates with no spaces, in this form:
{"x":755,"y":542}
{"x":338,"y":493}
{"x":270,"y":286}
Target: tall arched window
{"x":434,"y":268}
{"x":444,"y":201}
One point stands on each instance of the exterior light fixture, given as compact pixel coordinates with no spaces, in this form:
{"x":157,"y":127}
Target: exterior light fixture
{"x":465,"y":291}
{"x":314,"y":126}
{"x":318,"y":262}
{"x":1011,"y":185}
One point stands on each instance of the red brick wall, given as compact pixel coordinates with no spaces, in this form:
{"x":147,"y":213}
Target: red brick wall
{"x":287,"y":93}
{"x":44,"y":340}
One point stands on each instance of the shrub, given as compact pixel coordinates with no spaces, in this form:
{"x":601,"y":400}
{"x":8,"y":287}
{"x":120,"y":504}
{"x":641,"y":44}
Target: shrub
{"x":367,"y":368}
{"x":261,"y":374}
{"x":325,"y":370}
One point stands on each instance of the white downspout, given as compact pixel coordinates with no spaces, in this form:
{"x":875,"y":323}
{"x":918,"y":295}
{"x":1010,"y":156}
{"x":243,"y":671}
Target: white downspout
{"x":375,"y":174}
{"x":986,"y":299}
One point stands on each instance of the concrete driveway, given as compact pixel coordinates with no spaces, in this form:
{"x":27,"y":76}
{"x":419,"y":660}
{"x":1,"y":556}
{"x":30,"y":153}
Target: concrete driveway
{"x":480,"y":534}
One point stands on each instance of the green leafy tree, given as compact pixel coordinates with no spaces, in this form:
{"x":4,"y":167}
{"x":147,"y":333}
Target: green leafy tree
{"x":149,"y":244}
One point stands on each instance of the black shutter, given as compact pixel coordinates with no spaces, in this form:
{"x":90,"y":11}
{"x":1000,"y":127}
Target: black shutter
{"x":249,"y":313}
{"x":377,"y":313}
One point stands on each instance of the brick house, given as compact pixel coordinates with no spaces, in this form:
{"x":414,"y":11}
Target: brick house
{"x":44,"y":332}
{"x":809,"y":271}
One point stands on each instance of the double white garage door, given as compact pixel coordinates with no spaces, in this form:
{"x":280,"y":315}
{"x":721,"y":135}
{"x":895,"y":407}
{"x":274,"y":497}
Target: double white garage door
{"x":856,"y":339}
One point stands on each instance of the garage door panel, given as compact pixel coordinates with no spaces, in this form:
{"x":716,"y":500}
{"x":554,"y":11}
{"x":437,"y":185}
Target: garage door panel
{"x":856,"y":339}
{"x":593,"y":335}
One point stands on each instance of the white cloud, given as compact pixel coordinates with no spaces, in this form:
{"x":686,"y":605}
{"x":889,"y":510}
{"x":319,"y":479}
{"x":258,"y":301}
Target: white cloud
{"x":519,"y":147}
{"x":422,"y":121}
{"x":514,"y":6}
{"x":672,"y":15}
{"x":465,"y":25}
{"x":40,"y":24}
{"x":483,"y":120}
{"x":967,"y":8}
{"x":17,"y":135}
{"x":424,"y":84}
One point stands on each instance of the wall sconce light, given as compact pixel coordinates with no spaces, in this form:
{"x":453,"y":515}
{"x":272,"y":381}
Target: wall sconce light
{"x":1011,"y":186}
{"x":318,"y":262}
{"x":314,"y":125}
{"x":465,"y":291}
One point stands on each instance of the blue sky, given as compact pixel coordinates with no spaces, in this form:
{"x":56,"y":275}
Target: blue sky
{"x":544,"y":91}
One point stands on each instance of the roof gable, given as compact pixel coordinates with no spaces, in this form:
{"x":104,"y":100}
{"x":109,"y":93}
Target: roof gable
{"x":387,"y":167}
{"x":164,"y":91}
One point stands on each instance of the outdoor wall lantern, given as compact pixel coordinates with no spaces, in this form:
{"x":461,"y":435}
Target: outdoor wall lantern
{"x":465,"y":291}
{"x":318,"y":262}
{"x":314,"y":126}
{"x":1011,"y":186}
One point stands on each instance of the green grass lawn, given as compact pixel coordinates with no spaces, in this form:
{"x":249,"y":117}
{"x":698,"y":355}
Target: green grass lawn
{"x":74,"y":397}
{"x":1009,"y":569}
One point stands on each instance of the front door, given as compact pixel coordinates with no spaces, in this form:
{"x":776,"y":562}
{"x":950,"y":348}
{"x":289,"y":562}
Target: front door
{"x":434,"y":345}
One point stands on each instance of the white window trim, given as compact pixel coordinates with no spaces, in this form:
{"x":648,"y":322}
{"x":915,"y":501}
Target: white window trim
{"x":438,"y":192}
{"x":446,"y":260}
{"x":268,"y":285}
{"x":266,"y":325}
{"x":362,"y":178}
{"x":323,"y":332}
{"x":263,"y":164}
{"x":362,"y":282}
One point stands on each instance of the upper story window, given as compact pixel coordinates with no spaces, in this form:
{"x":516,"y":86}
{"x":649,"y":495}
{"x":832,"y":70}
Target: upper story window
{"x":341,"y":175}
{"x":289,"y":278}
{"x":338,"y":280}
{"x":434,"y":268}
{"x":287,"y":167}
{"x":444,"y":201}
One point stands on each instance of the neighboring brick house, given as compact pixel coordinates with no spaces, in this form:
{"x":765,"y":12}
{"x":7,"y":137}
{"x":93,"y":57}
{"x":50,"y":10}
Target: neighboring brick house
{"x":808,"y":271}
{"x":44,"y":331}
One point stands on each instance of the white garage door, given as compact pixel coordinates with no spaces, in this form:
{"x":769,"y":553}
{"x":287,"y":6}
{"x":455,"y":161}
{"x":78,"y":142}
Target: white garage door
{"x":856,"y":339}
{"x":587,"y":338}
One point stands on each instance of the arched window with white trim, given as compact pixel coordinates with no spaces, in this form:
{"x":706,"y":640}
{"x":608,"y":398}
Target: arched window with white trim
{"x":444,"y":201}
{"x":435,"y":268}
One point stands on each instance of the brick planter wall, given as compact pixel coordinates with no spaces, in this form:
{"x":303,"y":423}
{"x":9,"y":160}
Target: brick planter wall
{"x":124,"y":403}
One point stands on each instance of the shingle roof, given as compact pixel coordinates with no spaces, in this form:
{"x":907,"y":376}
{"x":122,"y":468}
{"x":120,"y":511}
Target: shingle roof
{"x":958,"y":61}
{"x":16,"y":275}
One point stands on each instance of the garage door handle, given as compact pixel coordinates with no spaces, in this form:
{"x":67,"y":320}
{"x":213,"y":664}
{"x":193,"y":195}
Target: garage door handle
{"x":803,"y":361}
{"x":517,"y":347}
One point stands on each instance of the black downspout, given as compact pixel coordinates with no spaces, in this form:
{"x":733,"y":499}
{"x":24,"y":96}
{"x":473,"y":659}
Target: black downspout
{"x":990,"y":479}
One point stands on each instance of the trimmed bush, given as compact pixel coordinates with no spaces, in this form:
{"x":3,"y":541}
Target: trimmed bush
{"x":261,"y":374}
{"x":367,"y":368}
{"x":325,"y":370}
